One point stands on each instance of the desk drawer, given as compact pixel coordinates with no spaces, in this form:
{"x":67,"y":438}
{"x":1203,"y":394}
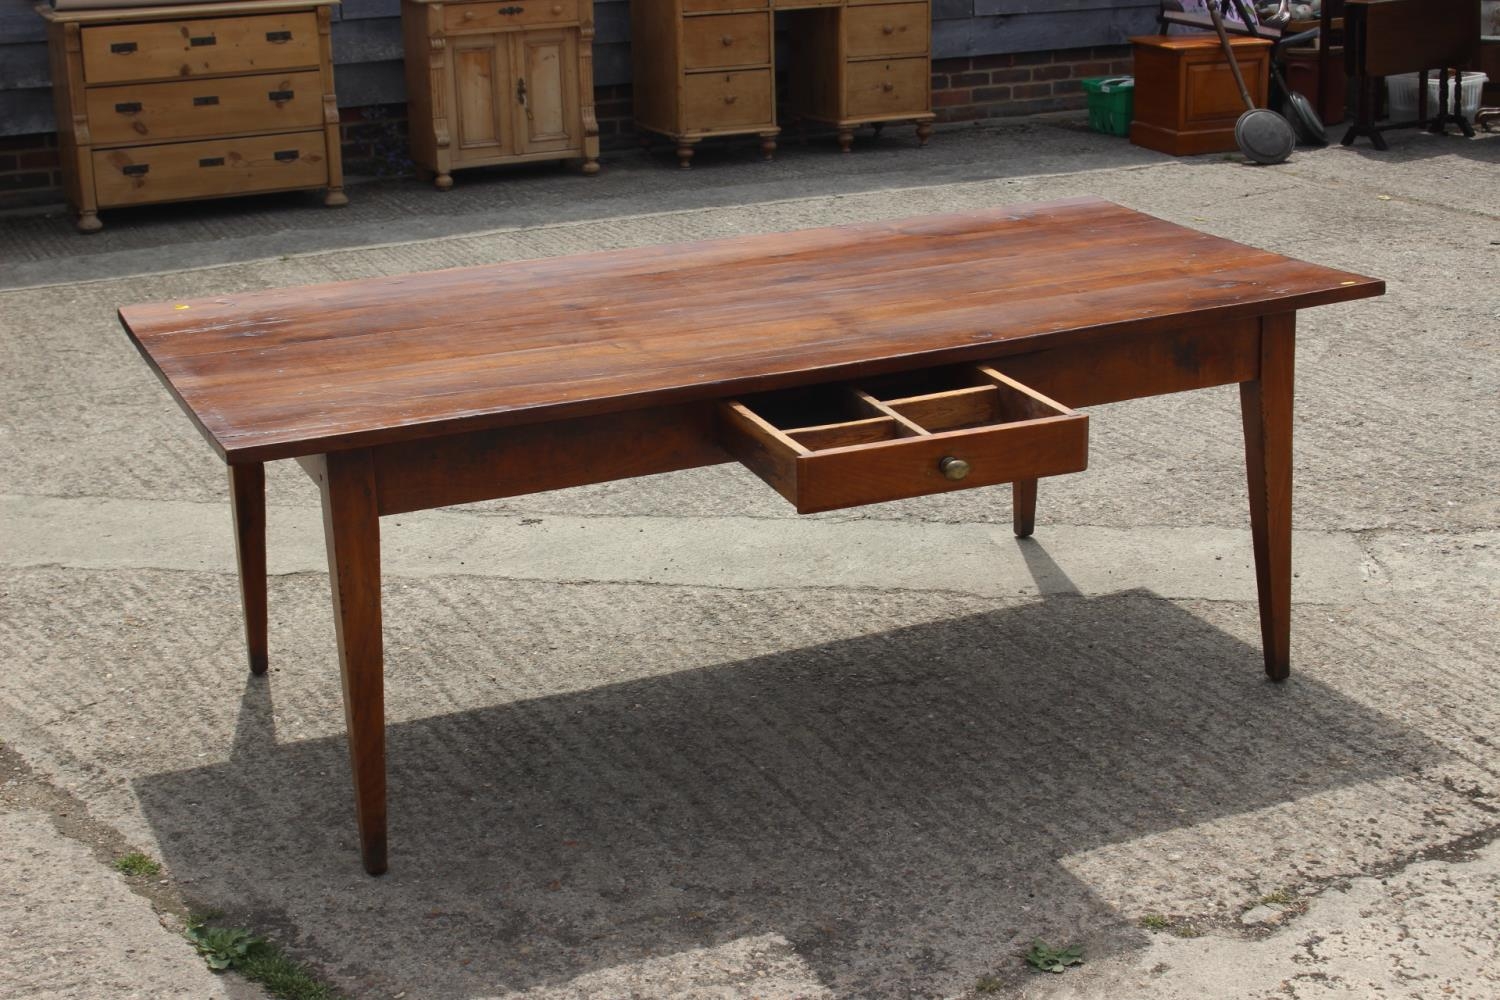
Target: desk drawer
{"x":897,"y":29}
{"x":726,"y":40}
{"x":209,"y":169}
{"x":725,"y":100}
{"x":699,"y":6}
{"x":828,"y":447}
{"x":170,"y":50}
{"x":154,"y":112}
{"x":494,"y":16}
{"x":887,"y":87}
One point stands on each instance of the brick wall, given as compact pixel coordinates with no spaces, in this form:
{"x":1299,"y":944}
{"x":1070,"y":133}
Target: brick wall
{"x":28,"y":168}
{"x":374,"y":138}
{"x":1025,"y":83}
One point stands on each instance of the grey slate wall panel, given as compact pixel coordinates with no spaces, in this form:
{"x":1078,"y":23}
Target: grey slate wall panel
{"x":367,"y":44}
{"x":361,"y":84}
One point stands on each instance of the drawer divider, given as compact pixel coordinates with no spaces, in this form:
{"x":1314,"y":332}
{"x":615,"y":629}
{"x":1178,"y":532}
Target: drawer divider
{"x":906,"y":426}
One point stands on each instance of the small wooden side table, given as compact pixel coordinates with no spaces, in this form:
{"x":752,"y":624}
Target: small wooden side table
{"x":158,"y":104}
{"x":1186,"y":101}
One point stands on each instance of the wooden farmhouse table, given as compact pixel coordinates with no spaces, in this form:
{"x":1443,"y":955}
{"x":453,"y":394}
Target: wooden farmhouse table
{"x":844,"y":366}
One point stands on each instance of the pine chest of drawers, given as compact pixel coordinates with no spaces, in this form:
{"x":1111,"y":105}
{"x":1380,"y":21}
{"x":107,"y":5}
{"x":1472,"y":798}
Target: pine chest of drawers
{"x":708,"y":67}
{"x":159,"y":104}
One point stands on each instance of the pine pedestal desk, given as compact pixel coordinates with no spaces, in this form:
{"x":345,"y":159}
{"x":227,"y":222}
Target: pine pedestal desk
{"x":844,"y":366}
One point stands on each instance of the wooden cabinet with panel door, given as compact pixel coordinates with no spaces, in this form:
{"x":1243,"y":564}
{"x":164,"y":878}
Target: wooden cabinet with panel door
{"x":490,"y":83}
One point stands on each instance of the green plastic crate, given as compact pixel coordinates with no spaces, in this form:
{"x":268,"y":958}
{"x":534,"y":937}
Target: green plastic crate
{"x":1111,"y":103}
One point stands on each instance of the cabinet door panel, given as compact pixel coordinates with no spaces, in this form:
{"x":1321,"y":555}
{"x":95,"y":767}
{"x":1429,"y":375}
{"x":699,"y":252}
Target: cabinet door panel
{"x":481,"y":79}
{"x":547,"y":118}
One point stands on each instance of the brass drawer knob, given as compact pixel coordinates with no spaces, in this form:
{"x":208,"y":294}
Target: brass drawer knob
{"x":953,"y":468}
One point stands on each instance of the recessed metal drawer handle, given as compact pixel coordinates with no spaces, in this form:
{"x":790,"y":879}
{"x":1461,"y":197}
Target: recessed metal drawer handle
{"x":203,"y":40}
{"x":953,"y":468}
{"x":205,"y":102}
{"x":211,"y":161}
{"x":286,"y":155}
{"x":129,"y":108}
{"x":280,"y":95}
{"x":136,"y":169}
{"x":121,"y":48}
{"x":278,"y":36}
{"x":512,"y":10}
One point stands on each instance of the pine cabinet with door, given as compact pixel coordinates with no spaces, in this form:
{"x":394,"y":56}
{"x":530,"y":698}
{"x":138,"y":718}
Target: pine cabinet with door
{"x":491,"y":82}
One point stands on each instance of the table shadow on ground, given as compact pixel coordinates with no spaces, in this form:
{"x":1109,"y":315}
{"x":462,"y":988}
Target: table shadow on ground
{"x":895,"y":805}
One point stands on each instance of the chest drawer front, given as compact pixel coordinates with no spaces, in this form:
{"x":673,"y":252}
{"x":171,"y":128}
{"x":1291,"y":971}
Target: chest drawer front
{"x":830,"y":447}
{"x":168,"y":50}
{"x":205,"y":169}
{"x":698,"y":6}
{"x":155,"y":112}
{"x":887,"y":87}
{"x":898,"y":29}
{"x":496,"y":16}
{"x":726,"y":40}
{"x":724,"y":100}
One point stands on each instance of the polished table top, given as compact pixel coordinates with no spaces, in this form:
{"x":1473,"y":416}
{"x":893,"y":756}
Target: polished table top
{"x":301,"y":371}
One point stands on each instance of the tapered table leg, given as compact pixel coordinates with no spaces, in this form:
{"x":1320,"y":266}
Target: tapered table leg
{"x":247,"y":501}
{"x":1266,"y":406}
{"x":1023,"y":507}
{"x":351,"y":527}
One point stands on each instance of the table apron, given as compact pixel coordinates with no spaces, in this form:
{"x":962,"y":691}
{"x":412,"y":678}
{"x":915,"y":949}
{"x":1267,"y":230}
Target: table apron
{"x":535,"y":458}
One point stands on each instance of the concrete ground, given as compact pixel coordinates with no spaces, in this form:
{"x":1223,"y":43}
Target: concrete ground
{"x":664,"y":739}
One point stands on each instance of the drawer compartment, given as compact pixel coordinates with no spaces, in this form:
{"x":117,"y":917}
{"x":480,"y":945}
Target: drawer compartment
{"x":726,"y":40}
{"x":495,"y":16}
{"x":171,"y":50}
{"x":209,"y":169}
{"x":898,"y":29}
{"x":723,"y":100}
{"x":155,"y":112}
{"x":888,"y":87}
{"x":828,"y":447}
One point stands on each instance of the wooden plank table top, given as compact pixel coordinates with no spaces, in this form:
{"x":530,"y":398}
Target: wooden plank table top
{"x":405,"y":393}
{"x":301,"y":371}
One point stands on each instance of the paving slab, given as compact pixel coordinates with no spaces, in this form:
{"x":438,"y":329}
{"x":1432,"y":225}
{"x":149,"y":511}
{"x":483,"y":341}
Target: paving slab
{"x":666,"y":739}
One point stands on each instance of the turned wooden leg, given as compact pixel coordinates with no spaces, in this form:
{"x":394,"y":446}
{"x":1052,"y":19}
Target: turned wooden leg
{"x":351,"y":528}
{"x":768,"y":145}
{"x":924,"y":132}
{"x":443,"y":181}
{"x":590,"y":166}
{"x":247,"y":503}
{"x":846,"y":140}
{"x":335,"y":198}
{"x":1023,"y":507}
{"x":684,"y":154}
{"x":1266,"y":406}
{"x":88,"y":221}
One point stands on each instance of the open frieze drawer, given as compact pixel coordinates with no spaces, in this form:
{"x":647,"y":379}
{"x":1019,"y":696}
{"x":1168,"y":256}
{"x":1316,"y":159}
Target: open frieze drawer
{"x":832,"y":446}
